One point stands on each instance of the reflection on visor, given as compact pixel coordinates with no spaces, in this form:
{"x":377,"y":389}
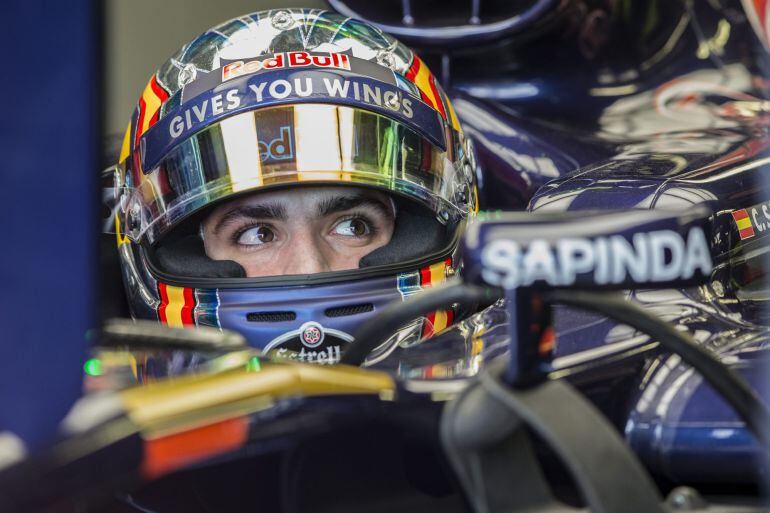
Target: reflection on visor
{"x":296,"y":144}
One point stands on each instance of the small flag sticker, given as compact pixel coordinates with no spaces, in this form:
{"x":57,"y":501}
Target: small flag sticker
{"x":743,"y":222}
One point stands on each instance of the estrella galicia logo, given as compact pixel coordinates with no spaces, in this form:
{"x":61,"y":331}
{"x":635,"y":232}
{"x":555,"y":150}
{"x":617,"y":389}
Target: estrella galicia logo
{"x":311,"y":334}
{"x":311,"y":343}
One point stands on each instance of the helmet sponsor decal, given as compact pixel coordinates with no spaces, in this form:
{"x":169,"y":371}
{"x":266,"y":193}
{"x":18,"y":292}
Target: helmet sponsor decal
{"x":282,"y":87}
{"x":312,"y":343}
{"x":311,"y":334}
{"x":280,"y":148}
{"x":276,"y":142}
{"x":234,"y":68}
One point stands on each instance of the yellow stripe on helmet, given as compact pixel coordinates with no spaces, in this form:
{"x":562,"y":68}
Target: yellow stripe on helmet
{"x":175,"y":304}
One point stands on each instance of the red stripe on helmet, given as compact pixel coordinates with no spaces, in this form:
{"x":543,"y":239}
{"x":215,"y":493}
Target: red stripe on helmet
{"x":411,"y":73}
{"x":163,"y":303}
{"x":162,"y":96}
{"x":139,"y":121}
{"x":188,"y":308}
{"x":427,"y":325}
{"x":437,"y":95}
{"x":425,"y":276}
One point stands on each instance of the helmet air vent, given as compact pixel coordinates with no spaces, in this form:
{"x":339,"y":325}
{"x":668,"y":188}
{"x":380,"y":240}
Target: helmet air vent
{"x":343,"y":311}
{"x":271,"y":316}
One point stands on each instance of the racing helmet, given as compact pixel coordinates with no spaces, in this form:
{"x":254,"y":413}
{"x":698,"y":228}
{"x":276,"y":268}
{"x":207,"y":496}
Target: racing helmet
{"x":277,"y":100}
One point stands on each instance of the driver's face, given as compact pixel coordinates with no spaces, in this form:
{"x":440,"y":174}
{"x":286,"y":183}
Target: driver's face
{"x":299,"y":231}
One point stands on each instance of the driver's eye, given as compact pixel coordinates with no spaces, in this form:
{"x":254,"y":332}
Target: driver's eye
{"x":355,"y":227}
{"x":256,"y":235}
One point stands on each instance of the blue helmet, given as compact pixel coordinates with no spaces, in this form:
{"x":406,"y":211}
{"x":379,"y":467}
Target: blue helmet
{"x":277,"y":100}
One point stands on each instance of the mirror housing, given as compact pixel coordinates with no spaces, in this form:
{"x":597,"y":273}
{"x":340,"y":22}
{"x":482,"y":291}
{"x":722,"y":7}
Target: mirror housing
{"x":607,"y":250}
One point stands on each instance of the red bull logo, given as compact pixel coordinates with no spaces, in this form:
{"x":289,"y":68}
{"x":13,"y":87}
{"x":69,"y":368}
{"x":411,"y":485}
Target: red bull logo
{"x":286,"y":60}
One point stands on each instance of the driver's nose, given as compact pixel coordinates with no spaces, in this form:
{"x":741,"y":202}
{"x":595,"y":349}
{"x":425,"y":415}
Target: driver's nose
{"x":303,"y":256}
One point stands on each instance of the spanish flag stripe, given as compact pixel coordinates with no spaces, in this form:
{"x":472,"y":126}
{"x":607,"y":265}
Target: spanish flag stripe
{"x":743,"y":224}
{"x":436,"y":321}
{"x":162,"y":96}
{"x":438,"y":272}
{"x":425,"y":276}
{"x":436,"y":95}
{"x":453,"y":117}
{"x":176,"y":303}
{"x":136,"y":168}
{"x":160,"y":93}
{"x":427,"y":325}
{"x":740,"y":214}
{"x":427,"y":328}
{"x":139,"y":121}
{"x":149,"y":106}
{"x":440,"y":321}
{"x":411,"y":73}
{"x":188,"y":308}
{"x":422,"y":83}
{"x":163,"y":303}
{"x":421,"y":76}
{"x":152,"y":105}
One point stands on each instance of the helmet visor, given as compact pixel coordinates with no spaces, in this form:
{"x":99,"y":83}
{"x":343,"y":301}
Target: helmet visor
{"x":296,"y":144}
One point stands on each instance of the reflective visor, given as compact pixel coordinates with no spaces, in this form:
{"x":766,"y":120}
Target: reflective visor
{"x":302,"y":143}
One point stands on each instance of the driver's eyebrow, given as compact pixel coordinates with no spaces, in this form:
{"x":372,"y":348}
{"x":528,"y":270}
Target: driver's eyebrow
{"x":337,"y":204}
{"x":268,"y":211}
